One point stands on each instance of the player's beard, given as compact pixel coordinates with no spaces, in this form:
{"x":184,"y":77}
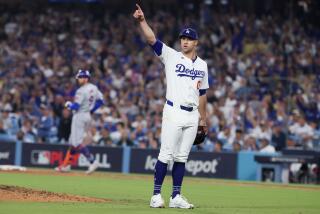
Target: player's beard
{"x":82,"y":82}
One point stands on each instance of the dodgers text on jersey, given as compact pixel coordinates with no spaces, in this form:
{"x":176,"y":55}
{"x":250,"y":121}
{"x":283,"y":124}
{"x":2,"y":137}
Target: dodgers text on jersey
{"x":186,"y":72}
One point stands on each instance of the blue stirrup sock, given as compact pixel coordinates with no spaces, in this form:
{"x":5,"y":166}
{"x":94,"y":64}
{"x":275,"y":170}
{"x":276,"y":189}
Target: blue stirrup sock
{"x":178,"y":170}
{"x":85,"y":151}
{"x":160,"y":171}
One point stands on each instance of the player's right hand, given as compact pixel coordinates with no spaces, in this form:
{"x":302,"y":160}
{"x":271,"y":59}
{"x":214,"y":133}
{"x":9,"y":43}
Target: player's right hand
{"x":138,"y":14}
{"x":68,"y":104}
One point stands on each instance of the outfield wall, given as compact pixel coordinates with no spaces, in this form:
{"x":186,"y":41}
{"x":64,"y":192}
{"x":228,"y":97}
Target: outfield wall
{"x":226,"y":165}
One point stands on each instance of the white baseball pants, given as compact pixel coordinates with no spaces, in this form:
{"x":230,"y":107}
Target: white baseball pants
{"x":179,"y":129}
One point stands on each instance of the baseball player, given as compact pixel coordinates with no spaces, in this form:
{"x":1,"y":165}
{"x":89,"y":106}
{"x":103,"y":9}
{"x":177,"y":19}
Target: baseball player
{"x":184,"y":110}
{"x":87,"y":100}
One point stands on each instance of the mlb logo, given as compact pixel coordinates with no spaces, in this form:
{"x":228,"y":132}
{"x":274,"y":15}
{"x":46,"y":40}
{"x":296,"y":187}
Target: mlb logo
{"x":40,"y":157}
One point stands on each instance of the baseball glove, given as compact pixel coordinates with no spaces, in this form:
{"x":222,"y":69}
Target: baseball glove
{"x":201,"y":135}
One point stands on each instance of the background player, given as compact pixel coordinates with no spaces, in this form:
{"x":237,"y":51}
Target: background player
{"x":187,"y":81}
{"x":87,"y":100}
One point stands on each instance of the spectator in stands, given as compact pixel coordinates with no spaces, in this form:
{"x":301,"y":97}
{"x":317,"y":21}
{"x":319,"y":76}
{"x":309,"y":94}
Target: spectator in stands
{"x":2,"y":130}
{"x":236,"y":147}
{"x":58,"y":106}
{"x":261,"y":130}
{"x":117,"y":132}
{"x":139,"y":134}
{"x":266,"y":147}
{"x":64,"y":127}
{"x":10,"y":120}
{"x":142,"y":143}
{"x":239,"y":138}
{"x":250,"y":144}
{"x":95,"y":134}
{"x":225,"y":136}
{"x":316,"y":134}
{"x":279,"y":137}
{"x":302,"y":133}
{"x":28,"y":132}
{"x":105,"y":139}
{"x":152,"y":142}
{"x":45,"y":124}
{"x":124,"y":137}
{"x":218,"y":146}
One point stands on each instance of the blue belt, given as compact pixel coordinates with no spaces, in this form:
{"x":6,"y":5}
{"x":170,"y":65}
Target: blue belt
{"x":186,"y":108}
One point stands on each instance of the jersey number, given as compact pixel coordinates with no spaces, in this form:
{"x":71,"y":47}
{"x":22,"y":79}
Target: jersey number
{"x":91,"y":99}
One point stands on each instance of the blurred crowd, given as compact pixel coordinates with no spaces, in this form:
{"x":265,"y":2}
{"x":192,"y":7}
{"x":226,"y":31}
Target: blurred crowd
{"x":264,"y":76}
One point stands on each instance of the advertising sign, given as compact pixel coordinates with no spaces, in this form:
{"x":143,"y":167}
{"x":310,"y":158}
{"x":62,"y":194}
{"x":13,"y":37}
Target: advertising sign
{"x":199,"y":164}
{"x":52,"y":155}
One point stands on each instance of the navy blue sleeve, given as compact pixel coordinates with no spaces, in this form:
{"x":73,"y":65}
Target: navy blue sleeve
{"x":97,"y":105}
{"x":202,"y":92}
{"x":157,"y":47}
{"x":74,"y":106}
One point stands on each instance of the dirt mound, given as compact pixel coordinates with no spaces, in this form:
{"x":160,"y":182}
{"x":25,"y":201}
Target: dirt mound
{"x":15,"y":193}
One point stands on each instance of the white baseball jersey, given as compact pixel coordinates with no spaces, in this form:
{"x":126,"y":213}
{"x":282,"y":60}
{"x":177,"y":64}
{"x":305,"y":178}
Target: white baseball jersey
{"x":86,"y":97}
{"x":184,"y":77}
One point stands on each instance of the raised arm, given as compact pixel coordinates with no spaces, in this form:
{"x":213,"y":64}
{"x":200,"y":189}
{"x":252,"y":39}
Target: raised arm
{"x":147,"y":31}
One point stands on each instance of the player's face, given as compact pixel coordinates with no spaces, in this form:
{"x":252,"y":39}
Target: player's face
{"x":188,"y":45}
{"x":82,"y":80}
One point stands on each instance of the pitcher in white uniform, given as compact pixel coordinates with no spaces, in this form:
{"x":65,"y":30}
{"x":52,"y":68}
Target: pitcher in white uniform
{"x":87,"y":100}
{"x":185,"y":108}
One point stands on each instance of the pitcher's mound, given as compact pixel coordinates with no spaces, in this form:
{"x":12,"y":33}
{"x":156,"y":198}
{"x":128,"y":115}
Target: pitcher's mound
{"x":15,"y":193}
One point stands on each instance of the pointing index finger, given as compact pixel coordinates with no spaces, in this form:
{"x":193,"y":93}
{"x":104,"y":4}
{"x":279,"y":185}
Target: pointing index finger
{"x":139,"y":8}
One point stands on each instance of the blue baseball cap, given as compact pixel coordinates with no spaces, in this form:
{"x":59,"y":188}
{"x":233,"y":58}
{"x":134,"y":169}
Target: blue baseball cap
{"x":190,"y":33}
{"x":83,"y":74}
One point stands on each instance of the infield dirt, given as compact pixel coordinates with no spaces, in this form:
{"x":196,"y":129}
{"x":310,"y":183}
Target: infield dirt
{"x":15,"y":193}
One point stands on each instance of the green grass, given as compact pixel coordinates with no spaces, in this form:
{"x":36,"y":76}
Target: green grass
{"x":131,"y":194}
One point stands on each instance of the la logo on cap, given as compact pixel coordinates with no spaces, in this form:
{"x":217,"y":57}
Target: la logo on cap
{"x":187,"y":31}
